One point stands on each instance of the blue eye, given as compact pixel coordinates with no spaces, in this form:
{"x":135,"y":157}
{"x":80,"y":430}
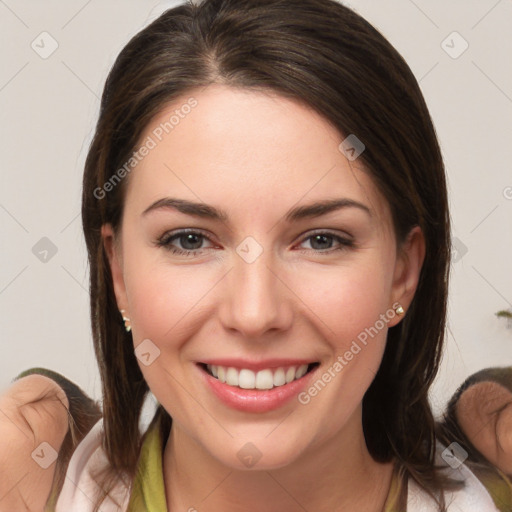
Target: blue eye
{"x":186,"y":238}
{"x":320,"y":238}
{"x":192,"y":241}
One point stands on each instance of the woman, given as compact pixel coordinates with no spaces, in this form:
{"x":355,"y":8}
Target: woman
{"x":292,"y":344}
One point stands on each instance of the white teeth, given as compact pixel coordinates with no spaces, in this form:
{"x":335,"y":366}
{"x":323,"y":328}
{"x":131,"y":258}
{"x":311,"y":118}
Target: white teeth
{"x":247,"y":379}
{"x":301,"y":371}
{"x":290,"y":374}
{"x":232,"y":377}
{"x":279,"y":377}
{"x":263,"y":379}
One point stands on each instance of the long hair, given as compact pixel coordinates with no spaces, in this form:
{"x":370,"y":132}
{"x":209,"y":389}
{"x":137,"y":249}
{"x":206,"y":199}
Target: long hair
{"x":322,"y":54}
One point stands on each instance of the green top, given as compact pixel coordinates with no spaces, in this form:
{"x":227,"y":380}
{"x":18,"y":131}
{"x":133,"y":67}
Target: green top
{"x":148,"y":491}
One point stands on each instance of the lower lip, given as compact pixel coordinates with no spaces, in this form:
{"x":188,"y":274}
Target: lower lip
{"x":255,"y":400}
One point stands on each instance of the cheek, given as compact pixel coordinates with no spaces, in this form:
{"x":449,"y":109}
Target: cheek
{"x":349,"y":300}
{"x":351,"y":310}
{"x":347,"y":311}
{"x":161,"y":295}
{"x":164,"y":301}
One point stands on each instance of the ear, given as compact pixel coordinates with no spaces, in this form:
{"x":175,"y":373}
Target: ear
{"x":112,"y":246}
{"x":410,"y":257}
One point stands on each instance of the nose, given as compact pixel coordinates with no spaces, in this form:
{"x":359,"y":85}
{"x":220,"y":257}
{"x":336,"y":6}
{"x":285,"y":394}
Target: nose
{"x":257,"y":300}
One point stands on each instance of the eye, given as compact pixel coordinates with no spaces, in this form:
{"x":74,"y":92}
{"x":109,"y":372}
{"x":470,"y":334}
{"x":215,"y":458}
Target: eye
{"x":320,"y":240}
{"x":190,"y":240}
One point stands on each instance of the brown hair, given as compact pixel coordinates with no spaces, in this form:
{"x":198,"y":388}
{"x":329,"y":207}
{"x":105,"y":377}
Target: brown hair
{"x":321,"y":53}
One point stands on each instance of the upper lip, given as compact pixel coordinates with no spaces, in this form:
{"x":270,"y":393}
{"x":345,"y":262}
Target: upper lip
{"x":256,"y":365}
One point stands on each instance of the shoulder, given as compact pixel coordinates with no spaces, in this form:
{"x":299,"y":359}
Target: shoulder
{"x":472,"y":497}
{"x":80,"y":489}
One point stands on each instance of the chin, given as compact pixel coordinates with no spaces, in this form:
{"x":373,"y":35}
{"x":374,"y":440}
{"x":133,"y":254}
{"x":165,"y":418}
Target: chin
{"x":260,"y":454}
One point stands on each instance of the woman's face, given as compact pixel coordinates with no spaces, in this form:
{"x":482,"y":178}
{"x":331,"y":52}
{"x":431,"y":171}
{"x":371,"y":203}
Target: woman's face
{"x":262,"y":283}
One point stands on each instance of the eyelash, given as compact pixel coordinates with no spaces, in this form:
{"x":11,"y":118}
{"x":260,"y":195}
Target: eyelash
{"x":165,"y":242}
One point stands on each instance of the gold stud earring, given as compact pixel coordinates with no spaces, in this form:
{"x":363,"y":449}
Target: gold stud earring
{"x":126,"y":321}
{"x":399,"y":310}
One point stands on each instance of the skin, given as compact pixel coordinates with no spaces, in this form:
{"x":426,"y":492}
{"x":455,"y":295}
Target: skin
{"x":33,"y":410}
{"x":256,"y":156}
{"x":484,"y":412}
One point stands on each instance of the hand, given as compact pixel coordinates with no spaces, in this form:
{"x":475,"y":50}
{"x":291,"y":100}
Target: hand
{"x":33,"y":425}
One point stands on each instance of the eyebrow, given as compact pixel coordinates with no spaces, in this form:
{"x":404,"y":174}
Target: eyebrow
{"x":206,"y":211}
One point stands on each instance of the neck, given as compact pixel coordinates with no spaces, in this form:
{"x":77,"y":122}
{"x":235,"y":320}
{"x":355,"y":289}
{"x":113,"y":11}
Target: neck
{"x":338,"y":474}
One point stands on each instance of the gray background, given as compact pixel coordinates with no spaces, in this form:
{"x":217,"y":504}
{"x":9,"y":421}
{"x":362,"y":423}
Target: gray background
{"x":49,"y":107}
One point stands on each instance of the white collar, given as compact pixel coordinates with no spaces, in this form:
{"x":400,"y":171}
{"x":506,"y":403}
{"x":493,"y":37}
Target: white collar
{"x":473,"y":497}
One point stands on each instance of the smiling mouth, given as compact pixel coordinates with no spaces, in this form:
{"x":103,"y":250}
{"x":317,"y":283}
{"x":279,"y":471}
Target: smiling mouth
{"x":265,"y":379}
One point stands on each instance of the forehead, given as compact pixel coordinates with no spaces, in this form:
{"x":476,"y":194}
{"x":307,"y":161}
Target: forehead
{"x":248,"y":148}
